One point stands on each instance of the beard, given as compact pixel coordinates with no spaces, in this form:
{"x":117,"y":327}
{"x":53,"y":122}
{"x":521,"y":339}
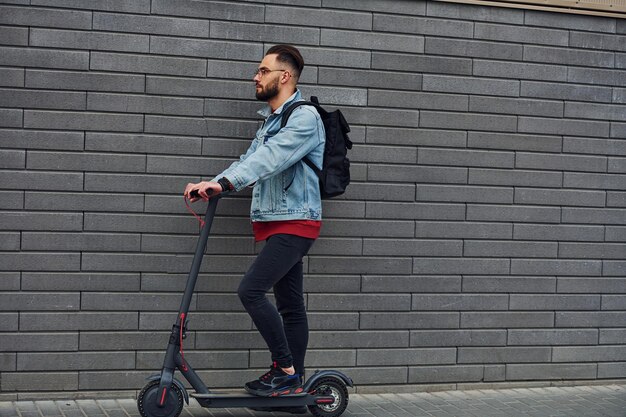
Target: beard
{"x":269,"y":92}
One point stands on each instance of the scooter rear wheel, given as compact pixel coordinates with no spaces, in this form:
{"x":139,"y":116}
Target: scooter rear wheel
{"x":334,"y":388}
{"x":147,"y":401}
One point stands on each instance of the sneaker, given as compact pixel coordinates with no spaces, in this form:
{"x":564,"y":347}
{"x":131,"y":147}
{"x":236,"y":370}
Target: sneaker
{"x":275,"y":382}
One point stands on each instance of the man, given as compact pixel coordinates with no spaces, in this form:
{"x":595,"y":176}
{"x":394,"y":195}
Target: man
{"x":286,"y":213}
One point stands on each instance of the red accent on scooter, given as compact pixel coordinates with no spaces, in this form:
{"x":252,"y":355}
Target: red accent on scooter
{"x":163,"y":397}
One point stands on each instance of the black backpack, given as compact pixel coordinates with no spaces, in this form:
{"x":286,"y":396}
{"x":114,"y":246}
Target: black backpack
{"x":335,"y":174}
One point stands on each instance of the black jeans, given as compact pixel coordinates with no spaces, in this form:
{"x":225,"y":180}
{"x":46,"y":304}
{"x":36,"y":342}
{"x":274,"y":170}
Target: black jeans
{"x":284,"y":328}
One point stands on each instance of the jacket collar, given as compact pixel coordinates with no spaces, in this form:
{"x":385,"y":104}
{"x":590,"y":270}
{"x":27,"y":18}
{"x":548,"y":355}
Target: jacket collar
{"x":267,"y":111}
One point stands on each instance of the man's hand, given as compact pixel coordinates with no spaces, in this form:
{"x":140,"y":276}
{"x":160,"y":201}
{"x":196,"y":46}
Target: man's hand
{"x":202,"y":188}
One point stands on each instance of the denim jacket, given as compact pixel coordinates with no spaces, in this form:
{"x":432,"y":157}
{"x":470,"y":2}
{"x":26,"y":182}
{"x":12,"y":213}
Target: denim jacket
{"x":285,"y":188}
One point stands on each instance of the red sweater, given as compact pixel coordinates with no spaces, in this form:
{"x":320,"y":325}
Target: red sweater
{"x":303,"y":228}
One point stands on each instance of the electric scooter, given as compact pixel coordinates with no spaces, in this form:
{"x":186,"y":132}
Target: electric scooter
{"x":325,"y":393}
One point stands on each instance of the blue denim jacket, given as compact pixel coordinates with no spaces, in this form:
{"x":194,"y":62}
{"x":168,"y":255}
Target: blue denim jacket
{"x":285,"y":188}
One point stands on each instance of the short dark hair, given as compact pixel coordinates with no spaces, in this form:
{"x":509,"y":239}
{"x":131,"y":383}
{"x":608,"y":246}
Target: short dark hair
{"x":289,"y":55}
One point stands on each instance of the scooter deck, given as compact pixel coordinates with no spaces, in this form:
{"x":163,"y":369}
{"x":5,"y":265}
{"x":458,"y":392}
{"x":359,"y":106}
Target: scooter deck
{"x":243,"y":399}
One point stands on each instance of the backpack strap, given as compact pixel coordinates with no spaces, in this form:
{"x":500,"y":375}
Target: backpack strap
{"x":285,"y":117}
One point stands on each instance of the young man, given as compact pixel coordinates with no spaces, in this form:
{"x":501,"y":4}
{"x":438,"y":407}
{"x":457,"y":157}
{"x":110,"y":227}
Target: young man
{"x":286,"y":213}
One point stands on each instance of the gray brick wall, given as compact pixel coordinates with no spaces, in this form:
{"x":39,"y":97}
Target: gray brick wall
{"x":482,"y":240}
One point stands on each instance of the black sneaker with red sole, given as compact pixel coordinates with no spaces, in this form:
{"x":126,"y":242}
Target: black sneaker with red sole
{"x":274,"y":383}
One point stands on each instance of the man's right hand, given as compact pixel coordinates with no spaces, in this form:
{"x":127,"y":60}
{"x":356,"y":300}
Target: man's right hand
{"x":201,"y":188}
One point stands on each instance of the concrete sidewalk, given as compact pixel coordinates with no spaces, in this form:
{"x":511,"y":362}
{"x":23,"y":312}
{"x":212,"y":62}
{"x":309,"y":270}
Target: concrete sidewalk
{"x":578,"y":401}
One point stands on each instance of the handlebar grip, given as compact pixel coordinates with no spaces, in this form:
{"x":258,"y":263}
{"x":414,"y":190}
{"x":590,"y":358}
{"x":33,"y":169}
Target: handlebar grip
{"x":194,"y":194}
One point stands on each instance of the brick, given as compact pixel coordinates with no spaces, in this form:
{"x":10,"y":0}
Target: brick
{"x":27,"y":57}
{"x":462,"y":157}
{"x":459,"y":302}
{"x":417,"y":211}
{"x":422,"y":26}
{"x":592,"y":285}
{"x":68,"y":39}
{"x":77,"y":321}
{"x":64,"y":281}
{"x":550,"y":371}
{"x":268,"y":33}
{"x":187,"y":126}
{"x":8,"y":362}
{"x":32,"y":139}
{"x":397,"y":118}
{"x":569,"y":56}
{"x":618,"y":130}
{"x":36,"y":381}
{"x":386,"y":192}
{"x":9,"y":281}
{"x":465,"y":85}
{"x":617,"y":165}
{"x":144,"y":104}
{"x":25,"y":301}
{"x":410,"y":284}
{"x":447,"y":266}
{"x":611,"y":370}
{"x":615,"y":234}
{"x":34,"y":16}
{"x":336,"y":57}
{"x":151,"y":24}
{"x":383,"y":154}
{"x":517,"y":213}
{"x":595,"y":111}
{"x":371,"y":357}
{"x":515,"y":106}
{"x":616,"y":199}
{"x":555,"y":267}
{"x":142,"y":6}
{"x":438,"y":374}
{"x":473,"y":12}
{"x":79,"y":241}
{"x":12,"y":200}
{"x":523,"y":34}
{"x":198,"y":321}
{"x":412,"y":247}
{"x":393,"y":6}
{"x":326,"y":246}
{"x":555,"y":337}
{"x":359,"y":302}
{"x":509,"y":320}
{"x":153,"y":144}
{"x":576,"y":22}
{"x":317,"y":18}
{"x":588,"y":354}
{"x":474,"y":49}
{"x":42,"y":99}
{"x":39,"y":342}
{"x":600,"y":76}
{"x":508,"y":284}
{"x":205,"y":48}
{"x":558,"y":232}
{"x":127,"y":263}
{"x":12,"y":77}
{"x":368,"y":228}
{"x":421,"y":63}
{"x":417,"y":137}
{"x":421,"y":174}
{"x":594,"y":216}
{"x":11,"y":118}
{"x":83,"y":201}
{"x":613,"y":302}
{"x":219,"y":11}
{"x":335,"y":284}
{"x":554,"y":302}
{"x":418,"y":100}
{"x":122,"y":340}
{"x":503,"y":354}
{"x":103,"y":301}
{"x":565,"y":91}
{"x":187,"y":244}
{"x":346,"y":209}
{"x":519,"y":70}
{"x":412,"y":320}
{"x":36,"y":261}
{"x":200,"y":359}
{"x":41,"y":221}
{"x":590,"y":319}
{"x":104,"y":61}
{"x":594,"y":146}
{"x":92,"y":81}
{"x":10,"y":322}
{"x":612,"y":336}
{"x":12,"y":159}
{"x":470,"y":194}
{"x":458,"y":337}
{"x":560,"y":162}
{"x":82,"y":121}
{"x":462,"y":230}
{"x":563,"y":126}
{"x":509,"y":249}
{"x":372,"y":265}
{"x":85,"y":162}
{"x":32,"y":180}
{"x":559,"y":197}
{"x":591,"y":250}
{"x":514,"y":142}
{"x":370,"y":78}
{"x":597,"y":181}
{"x":13,"y":35}
{"x":369,"y":40}
{"x":75,"y":361}
{"x":135,"y":183}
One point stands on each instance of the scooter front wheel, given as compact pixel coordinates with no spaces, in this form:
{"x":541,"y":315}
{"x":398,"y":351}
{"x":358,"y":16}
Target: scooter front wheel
{"x":334,"y":388}
{"x":147,"y":401}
